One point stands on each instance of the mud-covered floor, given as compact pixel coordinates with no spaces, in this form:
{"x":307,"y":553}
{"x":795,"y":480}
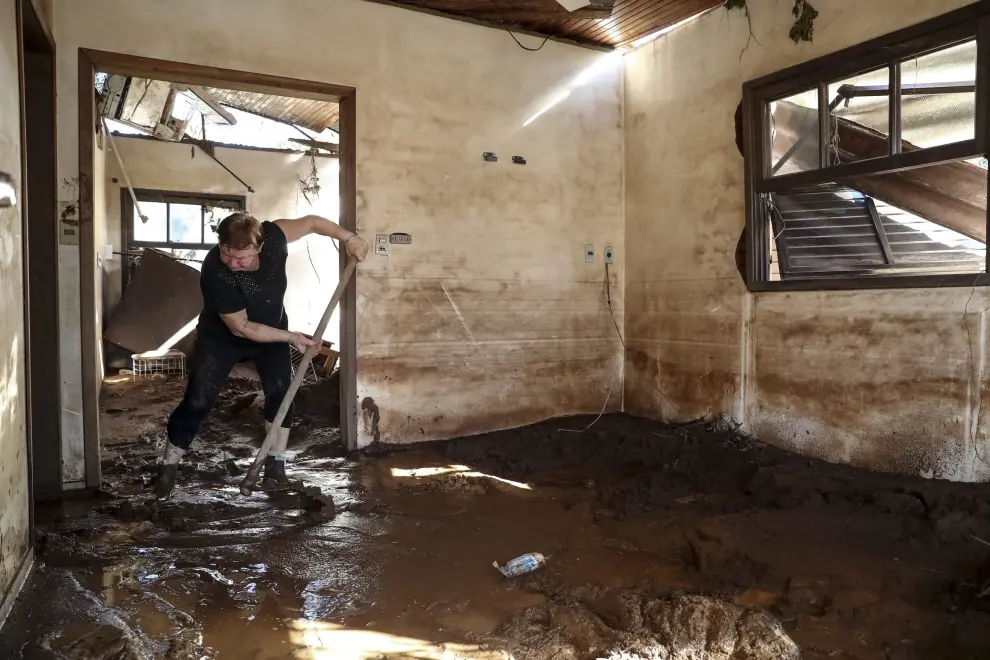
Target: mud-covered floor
{"x":663,"y":542}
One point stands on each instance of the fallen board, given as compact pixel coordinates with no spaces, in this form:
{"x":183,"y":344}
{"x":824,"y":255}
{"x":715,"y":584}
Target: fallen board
{"x":162,"y":297}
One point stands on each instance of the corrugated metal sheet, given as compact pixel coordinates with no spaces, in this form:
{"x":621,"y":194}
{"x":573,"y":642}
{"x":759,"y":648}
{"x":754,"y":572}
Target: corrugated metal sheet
{"x":630,"y":19}
{"x":314,"y":115}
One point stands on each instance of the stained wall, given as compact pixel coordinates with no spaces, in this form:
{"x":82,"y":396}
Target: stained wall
{"x":491,"y":318}
{"x":891,"y":380}
{"x":14,"y":513}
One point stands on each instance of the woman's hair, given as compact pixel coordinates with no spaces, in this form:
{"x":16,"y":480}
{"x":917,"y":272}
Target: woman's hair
{"x":240,"y":231}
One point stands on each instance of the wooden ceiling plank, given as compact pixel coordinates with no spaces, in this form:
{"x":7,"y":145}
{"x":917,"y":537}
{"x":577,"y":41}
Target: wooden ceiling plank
{"x":525,"y":11}
{"x":560,"y":27}
{"x":310,"y":116}
{"x":638,"y":25}
{"x":293,"y":106}
{"x":640,"y":17}
{"x":672,"y":17}
{"x":582,"y":26}
{"x":631,"y":9}
{"x":671,"y":8}
{"x":600,"y":31}
{"x":494,"y":24}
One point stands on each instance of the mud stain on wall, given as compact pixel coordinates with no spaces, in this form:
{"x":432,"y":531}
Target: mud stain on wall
{"x":14,"y":492}
{"x":371,"y":417}
{"x":505,"y":241}
{"x":890,"y":380}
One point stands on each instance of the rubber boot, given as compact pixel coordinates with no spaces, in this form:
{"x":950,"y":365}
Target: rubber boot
{"x":168,"y":474}
{"x":168,"y":471}
{"x":274,"y":479}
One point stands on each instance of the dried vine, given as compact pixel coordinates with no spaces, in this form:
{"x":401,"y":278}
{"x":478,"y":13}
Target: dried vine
{"x":804,"y":19}
{"x":741,"y":4}
{"x":310,"y":186}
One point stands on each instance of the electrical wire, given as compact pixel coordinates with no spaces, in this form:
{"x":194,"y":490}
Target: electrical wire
{"x":532,"y":50}
{"x":615,"y":322}
{"x":608,"y":397}
{"x":618,"y":332}
{"x":310,"y":255}
{"x":608,"y":298}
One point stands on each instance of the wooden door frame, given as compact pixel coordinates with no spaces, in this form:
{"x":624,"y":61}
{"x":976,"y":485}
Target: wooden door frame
{"x":39,"y":40}
{"x":93,"y":61}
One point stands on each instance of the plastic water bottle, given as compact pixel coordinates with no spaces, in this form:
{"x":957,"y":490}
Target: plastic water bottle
{"x":521,"y":565}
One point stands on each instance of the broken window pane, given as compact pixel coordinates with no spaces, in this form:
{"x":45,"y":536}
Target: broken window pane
{"x":212,"y":216}
{"x":793,"y":125}
{"x":859,"y":119}
{"x":930,"y":220}
{"x":185,"y":223}
{"x":938,"y":97}
{"x":155,"y":229}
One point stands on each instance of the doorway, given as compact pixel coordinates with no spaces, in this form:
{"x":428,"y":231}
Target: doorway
{"x":92,"y":62}
{"x":40,"y":250}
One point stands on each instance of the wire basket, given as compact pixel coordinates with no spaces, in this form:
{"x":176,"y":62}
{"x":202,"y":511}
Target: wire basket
{"x":310,"y":378}
{"x":169,"y":363}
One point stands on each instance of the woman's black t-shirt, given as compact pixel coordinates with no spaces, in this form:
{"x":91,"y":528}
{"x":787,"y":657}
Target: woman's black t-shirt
{"x":261,"y":292}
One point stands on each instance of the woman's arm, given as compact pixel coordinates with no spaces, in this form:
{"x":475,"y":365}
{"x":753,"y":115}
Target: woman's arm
{"x":299,"y":228}
{"x":240,"y":326}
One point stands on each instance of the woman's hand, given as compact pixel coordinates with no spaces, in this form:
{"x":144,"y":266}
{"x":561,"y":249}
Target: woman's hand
{"x":357,"y":247}
{"x":300,"y":342}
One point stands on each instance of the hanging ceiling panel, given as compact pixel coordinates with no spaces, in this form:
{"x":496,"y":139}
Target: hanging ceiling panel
{"x":628,"y":20}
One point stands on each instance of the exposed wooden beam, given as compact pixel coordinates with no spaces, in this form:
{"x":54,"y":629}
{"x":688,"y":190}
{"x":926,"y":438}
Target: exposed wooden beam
{"x":908,"y":191}
{"x":319,"y":144}
{"x":952,"y":195}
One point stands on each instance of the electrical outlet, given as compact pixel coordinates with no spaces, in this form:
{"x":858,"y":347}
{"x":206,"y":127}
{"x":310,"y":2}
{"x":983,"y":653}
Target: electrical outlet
{"x":381,"y":245}
{"x":608,"y":254}
{"x":589,"y":253}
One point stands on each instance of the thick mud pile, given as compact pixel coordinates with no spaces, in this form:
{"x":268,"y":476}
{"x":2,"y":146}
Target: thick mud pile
{"x":665,"y":542}
{"x":622,"y":625}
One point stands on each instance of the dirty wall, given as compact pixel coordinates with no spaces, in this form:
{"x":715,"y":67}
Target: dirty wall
{"x":889,"y":380}
{"x":14,"y":517}
{"x":491,"y":318}
{"x":312,"y":266}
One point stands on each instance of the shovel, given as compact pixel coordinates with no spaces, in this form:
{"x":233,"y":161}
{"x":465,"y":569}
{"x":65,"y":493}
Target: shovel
{"x":250,"y":482}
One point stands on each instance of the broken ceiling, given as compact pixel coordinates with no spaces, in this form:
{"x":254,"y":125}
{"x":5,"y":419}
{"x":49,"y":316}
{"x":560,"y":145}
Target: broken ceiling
{"x":141,"y":102}
{"x":314,"y":115}
{"x":601,"y":23}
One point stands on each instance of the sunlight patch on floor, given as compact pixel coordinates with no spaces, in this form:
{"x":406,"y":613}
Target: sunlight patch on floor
{"x":330,"y":641}
{"x":459,"y":470}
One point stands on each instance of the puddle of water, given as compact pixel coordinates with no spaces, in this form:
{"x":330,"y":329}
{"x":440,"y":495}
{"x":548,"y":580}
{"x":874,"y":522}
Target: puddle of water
{"x":755,"y":598}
